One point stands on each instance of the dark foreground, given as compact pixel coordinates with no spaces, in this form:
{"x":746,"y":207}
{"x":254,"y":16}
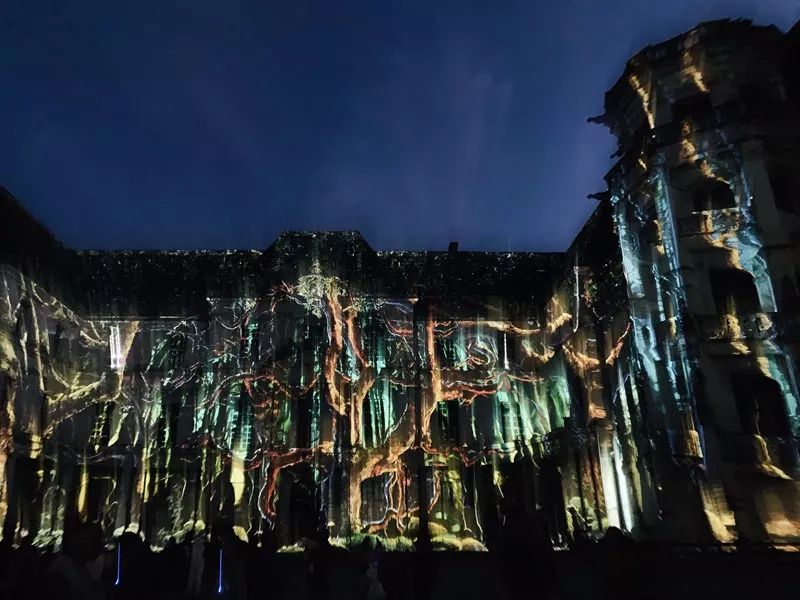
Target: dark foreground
{"x":602,"y":570}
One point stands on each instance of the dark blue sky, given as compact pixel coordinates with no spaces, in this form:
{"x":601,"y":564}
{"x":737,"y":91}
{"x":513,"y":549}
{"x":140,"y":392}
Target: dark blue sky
{"x":219,"y":124}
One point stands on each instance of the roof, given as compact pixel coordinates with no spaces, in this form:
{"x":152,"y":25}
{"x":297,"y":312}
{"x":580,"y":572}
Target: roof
{"x":178,"y":282}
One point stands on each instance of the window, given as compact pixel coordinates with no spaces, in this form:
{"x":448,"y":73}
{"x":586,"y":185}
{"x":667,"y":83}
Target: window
{"x":790,"y":299}
{"x":784,"y":190}
{"x":696,"y":108}
{"x":756,"y":100}
{"x":115,"y":346}
{"x":650,"y":233}
{"x":713,"y":195}
{"x":175,"y":351}
{"x":734,"y":291}
{"x":760,"y":405}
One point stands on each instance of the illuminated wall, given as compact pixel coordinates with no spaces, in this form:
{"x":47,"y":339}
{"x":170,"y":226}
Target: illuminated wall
{"x":645,"y":378}
{"x":296,"y":407}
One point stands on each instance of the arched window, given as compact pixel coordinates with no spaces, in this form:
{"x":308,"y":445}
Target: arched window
{"x":713,"y":195}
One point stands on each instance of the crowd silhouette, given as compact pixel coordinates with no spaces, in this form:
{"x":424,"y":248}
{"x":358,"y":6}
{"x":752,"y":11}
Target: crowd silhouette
{"x":215,"y":563}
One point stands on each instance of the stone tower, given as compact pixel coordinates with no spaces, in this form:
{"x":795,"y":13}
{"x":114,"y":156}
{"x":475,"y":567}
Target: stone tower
{"x":706,"y":201}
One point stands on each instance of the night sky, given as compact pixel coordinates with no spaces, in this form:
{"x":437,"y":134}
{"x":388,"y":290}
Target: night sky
{"x":221,"y":124}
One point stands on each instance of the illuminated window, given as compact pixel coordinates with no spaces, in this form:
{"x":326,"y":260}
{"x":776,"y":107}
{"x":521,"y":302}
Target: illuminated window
{"x":115,"y":346}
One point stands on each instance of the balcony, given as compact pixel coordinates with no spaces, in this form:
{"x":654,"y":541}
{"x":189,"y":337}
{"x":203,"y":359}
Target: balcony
{"x":710,"y":222}
{"x":751,"y":326}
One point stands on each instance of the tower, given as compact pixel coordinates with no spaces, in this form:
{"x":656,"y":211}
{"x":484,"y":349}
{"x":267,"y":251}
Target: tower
{"x":706,"y":202}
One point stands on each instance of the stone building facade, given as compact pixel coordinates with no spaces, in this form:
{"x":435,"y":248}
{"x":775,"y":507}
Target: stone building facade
{"x":646,"y":378}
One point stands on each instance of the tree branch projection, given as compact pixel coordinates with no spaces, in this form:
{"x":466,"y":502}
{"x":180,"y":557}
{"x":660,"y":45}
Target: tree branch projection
{"x":309,"y":387}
